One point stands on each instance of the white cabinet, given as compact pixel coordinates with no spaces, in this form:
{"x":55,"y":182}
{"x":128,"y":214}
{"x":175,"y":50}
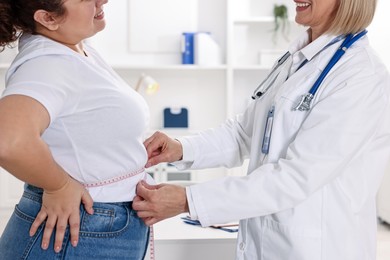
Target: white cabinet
{"x":242,"y":28}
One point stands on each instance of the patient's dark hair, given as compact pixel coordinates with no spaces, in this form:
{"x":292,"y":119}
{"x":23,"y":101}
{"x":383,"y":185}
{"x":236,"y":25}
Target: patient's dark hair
{"x":17,"y":16}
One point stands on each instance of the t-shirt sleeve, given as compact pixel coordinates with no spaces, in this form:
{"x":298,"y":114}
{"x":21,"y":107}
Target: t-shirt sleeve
{"x":47,"y":80}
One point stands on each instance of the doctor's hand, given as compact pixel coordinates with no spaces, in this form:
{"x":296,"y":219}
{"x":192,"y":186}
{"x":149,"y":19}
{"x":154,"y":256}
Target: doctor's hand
{"x":154,"y":203}
{"x":161,"y":148}
{"x":60,"y":208}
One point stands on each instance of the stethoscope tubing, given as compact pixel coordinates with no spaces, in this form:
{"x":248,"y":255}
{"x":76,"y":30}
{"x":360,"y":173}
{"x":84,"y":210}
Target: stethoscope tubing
{"x":349,"y":40}
{"x":305,"y":101}
{"x":258,"y":92}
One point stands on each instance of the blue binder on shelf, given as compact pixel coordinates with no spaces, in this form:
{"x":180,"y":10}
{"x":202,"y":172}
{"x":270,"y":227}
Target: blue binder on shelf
{"x":187,"y":48}
{"x":176,"y":117}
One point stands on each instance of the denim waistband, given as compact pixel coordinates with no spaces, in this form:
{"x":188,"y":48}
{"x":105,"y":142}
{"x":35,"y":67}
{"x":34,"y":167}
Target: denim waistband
{"x":35,"y":193}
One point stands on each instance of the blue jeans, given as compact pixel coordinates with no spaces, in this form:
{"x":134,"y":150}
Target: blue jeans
{"x":114,"y":231}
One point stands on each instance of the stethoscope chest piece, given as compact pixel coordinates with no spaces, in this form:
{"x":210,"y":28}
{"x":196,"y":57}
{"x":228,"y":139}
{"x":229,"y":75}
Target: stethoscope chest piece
{"x":304,"y":103}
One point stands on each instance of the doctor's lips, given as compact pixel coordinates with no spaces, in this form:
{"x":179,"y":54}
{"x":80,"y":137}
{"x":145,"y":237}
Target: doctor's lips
{"x":302,"y":5}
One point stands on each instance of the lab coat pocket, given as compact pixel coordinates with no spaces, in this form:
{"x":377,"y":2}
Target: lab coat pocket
{"x":287,"y":122}
{"x":289,"y":97}
{"x":284,"y":242}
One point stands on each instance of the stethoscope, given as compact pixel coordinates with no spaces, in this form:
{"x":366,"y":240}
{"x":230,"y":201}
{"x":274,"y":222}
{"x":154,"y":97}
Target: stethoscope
{"x":304,"y":104}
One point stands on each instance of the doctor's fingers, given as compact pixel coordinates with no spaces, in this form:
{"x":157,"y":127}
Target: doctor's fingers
{"x":150,"y":138}
{"x":144,"y":209}
{"x":146,"y":191}
{"x":139,"y":203}
{"x":152,"y":187}
{"x":157,"y":142}
{"x":151,"y":221}
{"x":154,"y":142}
{"x":169,"y":152}
{"x":145,"y":214}
{"x":149,"y":218}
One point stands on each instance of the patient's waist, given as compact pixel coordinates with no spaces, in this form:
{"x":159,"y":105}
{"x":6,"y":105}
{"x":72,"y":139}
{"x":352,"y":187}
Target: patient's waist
{"x":123,"y":188}
{"x":118,"y":188}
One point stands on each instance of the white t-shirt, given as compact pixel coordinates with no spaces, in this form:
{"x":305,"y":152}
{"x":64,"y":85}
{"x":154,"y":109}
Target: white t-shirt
{"x":97,"y":121}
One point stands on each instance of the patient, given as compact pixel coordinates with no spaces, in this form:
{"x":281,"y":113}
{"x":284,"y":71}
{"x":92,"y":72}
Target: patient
{"x":72,"y":130}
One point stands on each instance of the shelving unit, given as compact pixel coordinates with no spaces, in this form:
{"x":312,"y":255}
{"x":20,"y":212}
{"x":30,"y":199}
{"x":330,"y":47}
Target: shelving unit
{"x":244,"y":31}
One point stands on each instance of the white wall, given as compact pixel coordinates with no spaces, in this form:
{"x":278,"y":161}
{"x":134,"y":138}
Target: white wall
{"x":379,"y":32}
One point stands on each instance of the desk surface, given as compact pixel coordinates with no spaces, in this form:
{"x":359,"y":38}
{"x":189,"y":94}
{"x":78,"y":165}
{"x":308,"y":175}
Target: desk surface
{"x":175,"y":229}
{"x":175,"y":240}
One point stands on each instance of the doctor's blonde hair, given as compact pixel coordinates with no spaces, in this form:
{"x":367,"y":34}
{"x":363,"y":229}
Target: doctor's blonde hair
{"x":353,"y":16}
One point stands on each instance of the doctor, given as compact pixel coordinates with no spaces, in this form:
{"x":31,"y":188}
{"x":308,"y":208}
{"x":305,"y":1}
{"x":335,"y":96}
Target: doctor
{"x":316,"y":160}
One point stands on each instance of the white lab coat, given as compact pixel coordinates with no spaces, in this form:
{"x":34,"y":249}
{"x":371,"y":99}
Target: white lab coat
{"x":313,"y":196}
